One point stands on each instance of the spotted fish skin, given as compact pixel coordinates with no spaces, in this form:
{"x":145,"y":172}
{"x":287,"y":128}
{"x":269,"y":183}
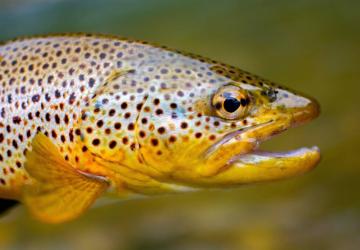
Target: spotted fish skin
{"x":148,"y":119}
{"x":45,"y":85}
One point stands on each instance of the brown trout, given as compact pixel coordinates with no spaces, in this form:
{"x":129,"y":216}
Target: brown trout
{"x":86,"y":115}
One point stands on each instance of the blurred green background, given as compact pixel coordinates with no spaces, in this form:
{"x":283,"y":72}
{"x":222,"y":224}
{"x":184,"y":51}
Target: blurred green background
{"x":311,"y":46}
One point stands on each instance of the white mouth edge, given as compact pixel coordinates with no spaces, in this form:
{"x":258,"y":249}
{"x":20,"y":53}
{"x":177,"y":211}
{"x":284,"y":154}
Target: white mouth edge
{"x":258,"y":155}
{"x":286,"y":154}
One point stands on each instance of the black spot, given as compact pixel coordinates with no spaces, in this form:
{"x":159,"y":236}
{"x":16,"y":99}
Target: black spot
{"x":3,"y":112}
{"x":117,"y":125}
{"x":57,"y":119}
{"x":112,"y":144}
{"x":16,"y":120}
{"x":35,"y":98}
{"x":102,"y":55}
{"x":159,"y":111}
{"x":57,"y":94}
{"x":47,"y":97}
{"x":131,"y":126}
{"x":112,"y":112}
{"x":154,"y":142}
{"x":96,"y":142}
{"x":161,"y":130}
{"x":124,"y":105}
{"x":91,"y":82}
{"x":184,"y":125}
{"x":172,"y":139}
{"x":144,"y":120}
{"x":139,"y":106}
{"x":100,"y":123}
{"x":72,"y":98}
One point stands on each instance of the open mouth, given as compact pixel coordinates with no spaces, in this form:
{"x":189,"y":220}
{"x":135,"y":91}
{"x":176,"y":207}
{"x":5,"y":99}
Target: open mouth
{"x":308,"y":156}
{"x":256,"y":155}
{"x":256,"y":165}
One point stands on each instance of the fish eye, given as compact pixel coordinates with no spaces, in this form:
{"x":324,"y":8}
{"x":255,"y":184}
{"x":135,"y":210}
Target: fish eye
{"x":231,"y":102}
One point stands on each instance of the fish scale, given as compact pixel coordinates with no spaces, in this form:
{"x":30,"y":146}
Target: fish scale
{"x":85,"y":114}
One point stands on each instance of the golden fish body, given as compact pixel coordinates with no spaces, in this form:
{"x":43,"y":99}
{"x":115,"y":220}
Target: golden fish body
{"x":86,"y":114}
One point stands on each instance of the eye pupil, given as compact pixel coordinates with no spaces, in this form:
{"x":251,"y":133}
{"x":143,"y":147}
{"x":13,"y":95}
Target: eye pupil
{"x":231,"y":104}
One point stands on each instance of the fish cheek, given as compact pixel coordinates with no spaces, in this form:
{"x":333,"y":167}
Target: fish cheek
{"x":168,"y":150}
{"x":220,"y":157}
{"x":156,"y":155}
{"x":170,"y":154}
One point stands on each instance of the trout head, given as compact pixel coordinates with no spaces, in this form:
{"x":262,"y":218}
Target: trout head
{"x":204,"y":126}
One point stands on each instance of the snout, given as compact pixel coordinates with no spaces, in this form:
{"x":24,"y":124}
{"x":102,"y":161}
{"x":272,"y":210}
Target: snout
{"x":301,"y":108}
{"x":306,"y":113}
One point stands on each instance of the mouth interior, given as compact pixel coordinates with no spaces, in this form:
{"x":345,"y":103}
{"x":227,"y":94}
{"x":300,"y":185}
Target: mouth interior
{"x":258,"y":154}
{"x":279,"y":154}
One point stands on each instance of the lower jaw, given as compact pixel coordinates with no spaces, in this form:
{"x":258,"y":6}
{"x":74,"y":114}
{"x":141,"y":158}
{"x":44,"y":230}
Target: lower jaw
{"x":261,"y":166}
{"x":254,"y":167}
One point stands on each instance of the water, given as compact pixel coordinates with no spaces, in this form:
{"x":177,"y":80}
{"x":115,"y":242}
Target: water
{"x":311,"y":46}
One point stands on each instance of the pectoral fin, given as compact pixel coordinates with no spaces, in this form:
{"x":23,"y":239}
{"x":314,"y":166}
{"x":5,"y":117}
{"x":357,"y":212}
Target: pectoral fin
{"x":59,"y":192}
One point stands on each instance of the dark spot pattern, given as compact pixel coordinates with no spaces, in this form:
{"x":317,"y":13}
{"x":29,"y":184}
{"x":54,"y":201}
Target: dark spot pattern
{"x":88,"y":97}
